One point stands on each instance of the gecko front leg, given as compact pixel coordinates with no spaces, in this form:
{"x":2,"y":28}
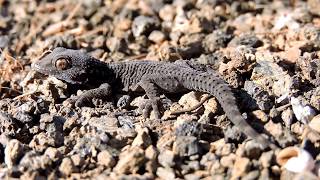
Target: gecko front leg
{"x":152,"y":85}
{"x":85,"y":99}
{"x":152,"y":92}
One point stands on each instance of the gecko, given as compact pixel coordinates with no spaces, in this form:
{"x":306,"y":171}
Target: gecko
{"x":152,"y":77}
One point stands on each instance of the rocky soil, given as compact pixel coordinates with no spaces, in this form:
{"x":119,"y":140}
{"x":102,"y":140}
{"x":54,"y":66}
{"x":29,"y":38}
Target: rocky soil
{"x":268,"y":51}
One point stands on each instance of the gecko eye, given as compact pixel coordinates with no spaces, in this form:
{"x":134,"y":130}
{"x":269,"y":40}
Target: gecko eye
{"x":62,"y":64}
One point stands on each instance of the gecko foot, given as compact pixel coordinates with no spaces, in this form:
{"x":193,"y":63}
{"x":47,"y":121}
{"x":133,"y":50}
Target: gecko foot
{"x":85,"y":99}
{"x":148,"y":105}
{"x":78,"y":101}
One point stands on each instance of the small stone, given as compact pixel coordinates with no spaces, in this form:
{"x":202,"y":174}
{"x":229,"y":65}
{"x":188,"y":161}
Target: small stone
{"x":265,"y":173}
{"x":314,"y":101}
{"x":67,"y":167}
{"x":292,"y":54}
{"x":252,"y":175}
{"x":4,"y":41}
{"x":315,"y":123}
{"x":295,"y":159}
{"x":187,"y":126}
{"x":216,"y":40}
{"x":142,"y":139}
{"x":105,"y":158}
{"x":77,"y":160}
{"x":228,"y":161}
{"x":151,"y":153}
{"x":166,"y":173}
{"x":314,"y":6}
{"x":249,"y":40}
{"x":13,"y":152}
{"x":260,"y":96}
{"x":143,"y":25}
{"x":287,"y":117}
{"x":167,"y":12}
{"x":303,"y":113}
{"x":157,"y":36}
{"x":115,"y":44}
{"x":190,"y":99}
{"x":306,"y":175}
{"x":241,"y":167}
{"x":226,"y":149}
{"x":34,"y":161}
{"x":267,"y":159}
{"x":275,"y":129}
{"x":167,"y":158}
{"x":252,"y":150}
{"x":211,"y":106}
{"x":8,"y":124}
{"x":186,"y":146}
{"x":233,"y":134}
{"x":192,"y":177}
{"x":53,"y":153}
{"x":259,"y":114}
{"x":130,"y":161}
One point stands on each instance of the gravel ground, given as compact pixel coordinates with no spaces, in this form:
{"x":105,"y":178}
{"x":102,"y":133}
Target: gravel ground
{"x":268,"y":51}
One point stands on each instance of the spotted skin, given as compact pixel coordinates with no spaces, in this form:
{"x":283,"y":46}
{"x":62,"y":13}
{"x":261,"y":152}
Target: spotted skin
{"x":76,"y":67}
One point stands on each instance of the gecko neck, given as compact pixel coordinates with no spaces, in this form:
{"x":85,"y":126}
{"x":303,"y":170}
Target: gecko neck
{"x":101,"y":72}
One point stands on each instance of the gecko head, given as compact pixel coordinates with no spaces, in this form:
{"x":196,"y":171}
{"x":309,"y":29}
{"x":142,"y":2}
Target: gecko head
{"x":65,"y":64}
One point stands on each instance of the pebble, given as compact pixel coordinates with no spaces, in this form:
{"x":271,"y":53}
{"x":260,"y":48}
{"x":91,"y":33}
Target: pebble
{"x":190,"y":99}
{"x":167,"y":12}
{"x":228,"y":161}
{"x":151,"y":153}
{"x":252,"y":150}
{"x":8,"y":124}
{"x":157,"y":37}
{"x":186,"y":146}
{"x":53,"y":153}
{"x":166,"y":173}
{"x":287,"y":117}
{"x":105,"y":158}
{"x":216,"y":40}
{"x":233,"y":134}
{"x":167,"y":158}
{"x":67,"y":167}
{"x":4,"y":41}
{"x":211,"y":106}
{"x":314,"y":6}
{"x":13,"y":151}
{"x":249,"y":40}
{"x":241,"y":167}
{"x":34,"y":161}
{"x":315,"y":123}
{"x":142,"y":139}
{"x":266,"y":159}
{"x":130,"y":161}
{"x":77,"y":160}
{"x":143,"y":25}
{"x":303,"y":113}
{"x":261,"y":115}
{"x":295,"y":159}
{"x":261,"y":97}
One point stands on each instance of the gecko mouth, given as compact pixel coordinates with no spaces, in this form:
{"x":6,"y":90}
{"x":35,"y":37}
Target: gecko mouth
{"x":37,"y":67}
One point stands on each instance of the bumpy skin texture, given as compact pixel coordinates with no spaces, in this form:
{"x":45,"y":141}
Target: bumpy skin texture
{"x":153,"y":77}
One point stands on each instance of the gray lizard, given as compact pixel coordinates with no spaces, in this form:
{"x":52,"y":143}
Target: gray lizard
{"x":76,"y":67}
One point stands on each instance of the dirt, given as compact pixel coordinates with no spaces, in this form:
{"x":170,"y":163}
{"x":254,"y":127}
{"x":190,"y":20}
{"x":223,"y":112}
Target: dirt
{"x":268,"y":51}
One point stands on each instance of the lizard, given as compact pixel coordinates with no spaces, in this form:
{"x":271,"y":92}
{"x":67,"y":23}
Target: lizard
{"x":152,"y":77}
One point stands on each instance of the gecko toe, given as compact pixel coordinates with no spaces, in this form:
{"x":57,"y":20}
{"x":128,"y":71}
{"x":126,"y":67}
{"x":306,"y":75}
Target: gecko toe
{"x":148,"y":106}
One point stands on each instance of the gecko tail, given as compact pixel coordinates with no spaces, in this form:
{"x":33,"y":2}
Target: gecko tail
{"x":216,"y":86}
